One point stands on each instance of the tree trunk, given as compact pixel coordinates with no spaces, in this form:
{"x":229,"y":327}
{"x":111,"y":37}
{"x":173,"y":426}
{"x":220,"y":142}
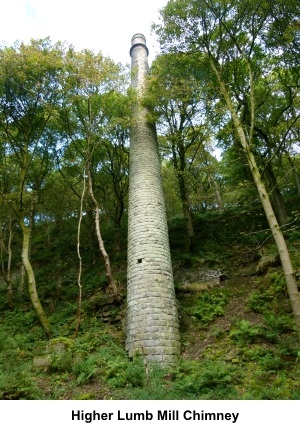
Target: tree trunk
{"x":215,"y":185}
{"x":276,"y":196}
{"x":109,"y":276}
{"x":279,"y":240}
{"x":180,"y":170}
{"x":295,"y":173}
{"x":80,"y":259}
{"x":27,"y":243}
{"x":285,"y":259}
{"x":119,"y":210}
{"x":186,"y":211}
{"x":6,"y":271}
{"x":8,"y":275}
{"x":297,"y":180}
{"x":22,"y":281}
{"x":31,"y":279}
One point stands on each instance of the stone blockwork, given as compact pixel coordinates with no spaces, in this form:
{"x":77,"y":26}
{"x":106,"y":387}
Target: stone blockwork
{"x":151,"y":324}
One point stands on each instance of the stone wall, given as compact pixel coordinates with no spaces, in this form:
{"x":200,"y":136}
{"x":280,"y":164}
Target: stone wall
{"x":152,"y":322}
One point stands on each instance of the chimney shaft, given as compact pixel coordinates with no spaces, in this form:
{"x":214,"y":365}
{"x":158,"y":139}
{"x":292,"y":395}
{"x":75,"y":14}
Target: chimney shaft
{"x":152,"y":322}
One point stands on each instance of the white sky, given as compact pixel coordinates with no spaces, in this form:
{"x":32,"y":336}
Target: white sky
{"x":100,"y":25}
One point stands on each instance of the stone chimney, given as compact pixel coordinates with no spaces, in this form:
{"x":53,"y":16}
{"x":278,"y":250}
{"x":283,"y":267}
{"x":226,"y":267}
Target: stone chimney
{"x":152,"y":327}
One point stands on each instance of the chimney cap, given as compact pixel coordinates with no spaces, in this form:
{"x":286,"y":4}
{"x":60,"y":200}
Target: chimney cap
{"x":138,"y":39}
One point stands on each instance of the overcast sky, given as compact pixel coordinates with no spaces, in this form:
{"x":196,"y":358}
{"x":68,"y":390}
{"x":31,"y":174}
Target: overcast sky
{"x":101,"y":25}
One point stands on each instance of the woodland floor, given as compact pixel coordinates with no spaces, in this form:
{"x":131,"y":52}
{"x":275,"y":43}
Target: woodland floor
{"x":238,"y":336}
{"x":201,"y":343}
{"x":197,"y":342}
{"x":239,"y":288}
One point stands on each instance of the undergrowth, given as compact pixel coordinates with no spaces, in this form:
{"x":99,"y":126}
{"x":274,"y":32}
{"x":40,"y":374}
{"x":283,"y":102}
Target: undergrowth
{"x":251,"y":358}
{"x":208,"y":306}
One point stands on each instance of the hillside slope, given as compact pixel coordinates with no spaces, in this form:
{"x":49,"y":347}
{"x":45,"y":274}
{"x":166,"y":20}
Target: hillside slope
{"x":237,"y":333}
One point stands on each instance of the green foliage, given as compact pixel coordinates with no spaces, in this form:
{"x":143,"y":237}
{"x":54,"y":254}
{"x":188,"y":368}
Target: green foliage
{"x":207,"y":379}
{"x":272,"y":290}
{"x":85,"y":396}
{"x":85,"y":369}
{"x":240,"y":360}
{"x":61,"y":362}
{"x":123,"y":373}
{"x":210,"y":305}
{"x":272,"y":362}
{"x":157,"y":386}
{"x":18,"y":386}
{"x":51,"y":94}
{"x":244,"y":332}
{"x":289,"y":349}
{"x":280,"y":323}
{"x":18,"y":320}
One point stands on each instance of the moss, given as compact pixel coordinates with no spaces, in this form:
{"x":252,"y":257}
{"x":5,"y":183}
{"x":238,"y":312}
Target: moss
{"x":61,"y":342}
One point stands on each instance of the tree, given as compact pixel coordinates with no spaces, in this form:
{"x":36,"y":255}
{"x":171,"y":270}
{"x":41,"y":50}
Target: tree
{"x":113,"y":176}
{"x":29,"y":91}
{"x":229,"y":35}
{"x":175,"y":96}
{"x":205,"y":181}
{"x":91,"y":91}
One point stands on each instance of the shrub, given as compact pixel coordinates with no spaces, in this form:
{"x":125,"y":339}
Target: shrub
{"x":210,"y":305}
{"x":61,"y":362}
{"x":123,"y":373}
{"x":280,"y":323}
{"x":85,"y":369}
{"x":274,"y":291}
{"x":246,"y":332}
{"x":18,"y":385}
{"x":208,"y":379}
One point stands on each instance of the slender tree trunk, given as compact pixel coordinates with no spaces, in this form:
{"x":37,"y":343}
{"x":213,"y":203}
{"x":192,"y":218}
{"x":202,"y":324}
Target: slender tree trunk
{"x":119,"y":210}
{"x":186,"y":212}
{"x":22,"y":281}
{"x":279,"y":240}
{"x":289,"y":274}
{"x":2,"y":249}
{"x":26,"y":246}
{"x":109,"y":276}
{"x":297,"y":180}
{"x":216,"y":188}
{"x":31,"y":279}
{"x":6,"y":271}
{"x":295,"y":173}
{"x":276,"y":196}
{"x":118,"y":237}
{"x":80,"y":259}
{"x":180,"y":169}
{"x":91,"y":234}
{"x":58,"y":287}
{"x":8,"y":275}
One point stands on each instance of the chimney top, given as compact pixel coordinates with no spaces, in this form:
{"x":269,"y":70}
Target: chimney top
{"x":138,"y":39}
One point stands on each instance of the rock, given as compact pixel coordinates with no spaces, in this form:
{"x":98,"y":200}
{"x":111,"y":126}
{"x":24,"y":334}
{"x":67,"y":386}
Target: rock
{"x":43,"y":361}
{"x":266,"y":262}
{"x":60,"y":345}
{"x":55,"y":350}
{"x":200,"y":286}
{"x":201,"y":280}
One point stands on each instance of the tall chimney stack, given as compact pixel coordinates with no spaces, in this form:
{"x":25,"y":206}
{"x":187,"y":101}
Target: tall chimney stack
{"x":152,"y":327}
